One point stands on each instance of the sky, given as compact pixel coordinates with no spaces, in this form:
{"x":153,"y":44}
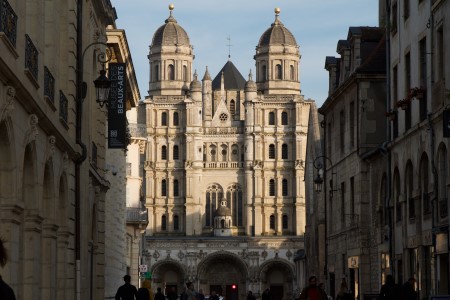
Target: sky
{"x":212,"y":25}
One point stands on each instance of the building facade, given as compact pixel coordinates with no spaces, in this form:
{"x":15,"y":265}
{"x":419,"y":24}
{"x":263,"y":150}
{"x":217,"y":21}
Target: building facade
{"x":224,"y":168}
{"x":53,"y":146}
{"x":122,"y":210}
{"x":417,"y":174}
{"x":400,"y":181}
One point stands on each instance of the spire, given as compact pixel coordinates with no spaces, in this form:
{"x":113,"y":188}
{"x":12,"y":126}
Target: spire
{"x":229,"y":47}
{"x":171,"y":18}
{"x":222,"y":86}
{"x":206,"y":76}
{"x":277,"y":13}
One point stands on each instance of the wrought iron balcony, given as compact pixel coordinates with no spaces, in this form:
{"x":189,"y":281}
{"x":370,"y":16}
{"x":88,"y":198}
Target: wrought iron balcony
{"x":63,"y":108}
{"x":31,"y":57}
{"x":137,"y":215}
{"x":8,"y":22}
{"x":49,"y":86}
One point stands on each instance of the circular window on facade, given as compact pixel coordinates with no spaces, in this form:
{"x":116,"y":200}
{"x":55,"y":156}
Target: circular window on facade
{"x":223,"y":117}
{"x":213,"y":152}
{"x":234,"y":152}
{"x":224,"y":152}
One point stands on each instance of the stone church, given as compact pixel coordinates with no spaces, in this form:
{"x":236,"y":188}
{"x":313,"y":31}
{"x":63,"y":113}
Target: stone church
{"x":224,"y":168}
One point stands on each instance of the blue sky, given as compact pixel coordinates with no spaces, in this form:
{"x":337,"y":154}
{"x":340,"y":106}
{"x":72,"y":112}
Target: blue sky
{"x":316,"y":24}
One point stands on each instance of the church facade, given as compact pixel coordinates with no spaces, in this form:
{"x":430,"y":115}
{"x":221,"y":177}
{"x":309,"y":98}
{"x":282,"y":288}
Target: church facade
{"x":224,"y":168}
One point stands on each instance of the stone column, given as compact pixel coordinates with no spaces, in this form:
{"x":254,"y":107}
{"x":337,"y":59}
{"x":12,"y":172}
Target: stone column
{"x":64,"y":286}
{"x":32,"y":255}
{"x":49,"y":261}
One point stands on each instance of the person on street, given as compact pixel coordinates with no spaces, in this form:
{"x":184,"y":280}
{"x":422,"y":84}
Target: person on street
{"x":200,"y":295}
{"x":408,"y":289}
{"x":126,"y":291}
{"x":191,"y":293}
{"x":213,"y":296}
{"x":6,"y":292}
{"x":159,"y":295}
{"x":389,"y":290}
{"x":312,"y":291}
{"x":250,"y":296}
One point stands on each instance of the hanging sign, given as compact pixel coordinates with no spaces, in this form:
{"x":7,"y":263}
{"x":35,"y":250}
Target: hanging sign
{"x":117,"y":106}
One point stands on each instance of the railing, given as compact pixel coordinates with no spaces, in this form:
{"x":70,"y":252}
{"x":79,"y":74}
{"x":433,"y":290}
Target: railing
{"x":223,"y":165}
{"x":136,"y":215}
{"x":31,"y":57}
{"x":219,"y":130}
{"x":8,"y":22}
{"x":49,"y":86}
{"x":63,"y":107}
{"x":137,"y":130}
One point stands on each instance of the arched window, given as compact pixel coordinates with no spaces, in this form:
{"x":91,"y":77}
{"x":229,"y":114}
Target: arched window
{"x":285,"y":189}
{"x":292,"y":72}
{"x":164,"y":119}
{"x":214,"y":194}
{"x":163,"y":187}
{"x":424,"y":182}
{"x":409,"y":189}
{"x":285,"y":222}
{"x":284,"y":151}
{"x":284,"y":118}
{"x":176,"y":154}
{"x":398,"y":204}
{"x":163,"y":152}
{"x":176,"y":120}
{"x":272,"y":187}
{"x":442,"y":182}
{"x":272,"y":222}
{"x":271,"y":118}
{"x":185,"y":77}
{"x":278,"y":72}
{"x":170,"y":72}
{"x":235,"y":203}
{"x":213,"y":152}
{"x":232,"y":108}
{"x":163,"y":222}
{"x":176,"y":192}
{"x":264,"y":73}
{"x":272,"y":151}
{"x":176,"y":223}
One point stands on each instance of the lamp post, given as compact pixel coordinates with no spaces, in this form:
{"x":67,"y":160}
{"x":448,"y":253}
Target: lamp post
{"x":81,"y":88}
{"x":320,"y":165}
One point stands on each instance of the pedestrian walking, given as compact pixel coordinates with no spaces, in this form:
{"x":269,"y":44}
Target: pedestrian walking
{"x":408,"y":289}
{"x":390,"y":290}
{"x":312,"y":291}
{"x":344,"y":293}
{"x":250,"y":296}
{"x":200,"y":295}
{"x":213,"y":296}
{"x":127,"y":291}
{"x":191,"y":294}
{"x":159,"y":295}
{"x":6,"y":292}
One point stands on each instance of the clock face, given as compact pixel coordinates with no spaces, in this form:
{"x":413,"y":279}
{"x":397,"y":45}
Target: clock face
{"x":223,"y":117}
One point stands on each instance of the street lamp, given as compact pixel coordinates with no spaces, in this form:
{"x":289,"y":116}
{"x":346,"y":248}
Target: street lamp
{"x":102,"y":85}
{"x":318,"y":181}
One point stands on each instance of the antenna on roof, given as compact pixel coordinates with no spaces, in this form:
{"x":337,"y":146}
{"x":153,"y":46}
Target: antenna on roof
{"x":229,"y":47}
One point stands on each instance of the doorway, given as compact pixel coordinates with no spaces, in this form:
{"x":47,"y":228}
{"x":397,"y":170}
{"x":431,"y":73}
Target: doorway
{"x":277,"y":292}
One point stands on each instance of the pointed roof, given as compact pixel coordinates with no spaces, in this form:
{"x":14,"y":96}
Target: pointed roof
{"x":233,"y":78}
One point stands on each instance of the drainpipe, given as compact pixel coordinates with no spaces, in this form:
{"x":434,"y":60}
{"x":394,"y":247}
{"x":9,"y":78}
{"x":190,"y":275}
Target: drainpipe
{"x":81,"y":158}
{"x":434,"y":201}
{"x":388,"y":137}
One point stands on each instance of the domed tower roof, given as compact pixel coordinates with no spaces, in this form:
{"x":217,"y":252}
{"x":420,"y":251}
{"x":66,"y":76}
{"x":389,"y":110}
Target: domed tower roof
{"x":277,"y":34}
{"x":223,"y":210}
{"x":170,"y":33}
